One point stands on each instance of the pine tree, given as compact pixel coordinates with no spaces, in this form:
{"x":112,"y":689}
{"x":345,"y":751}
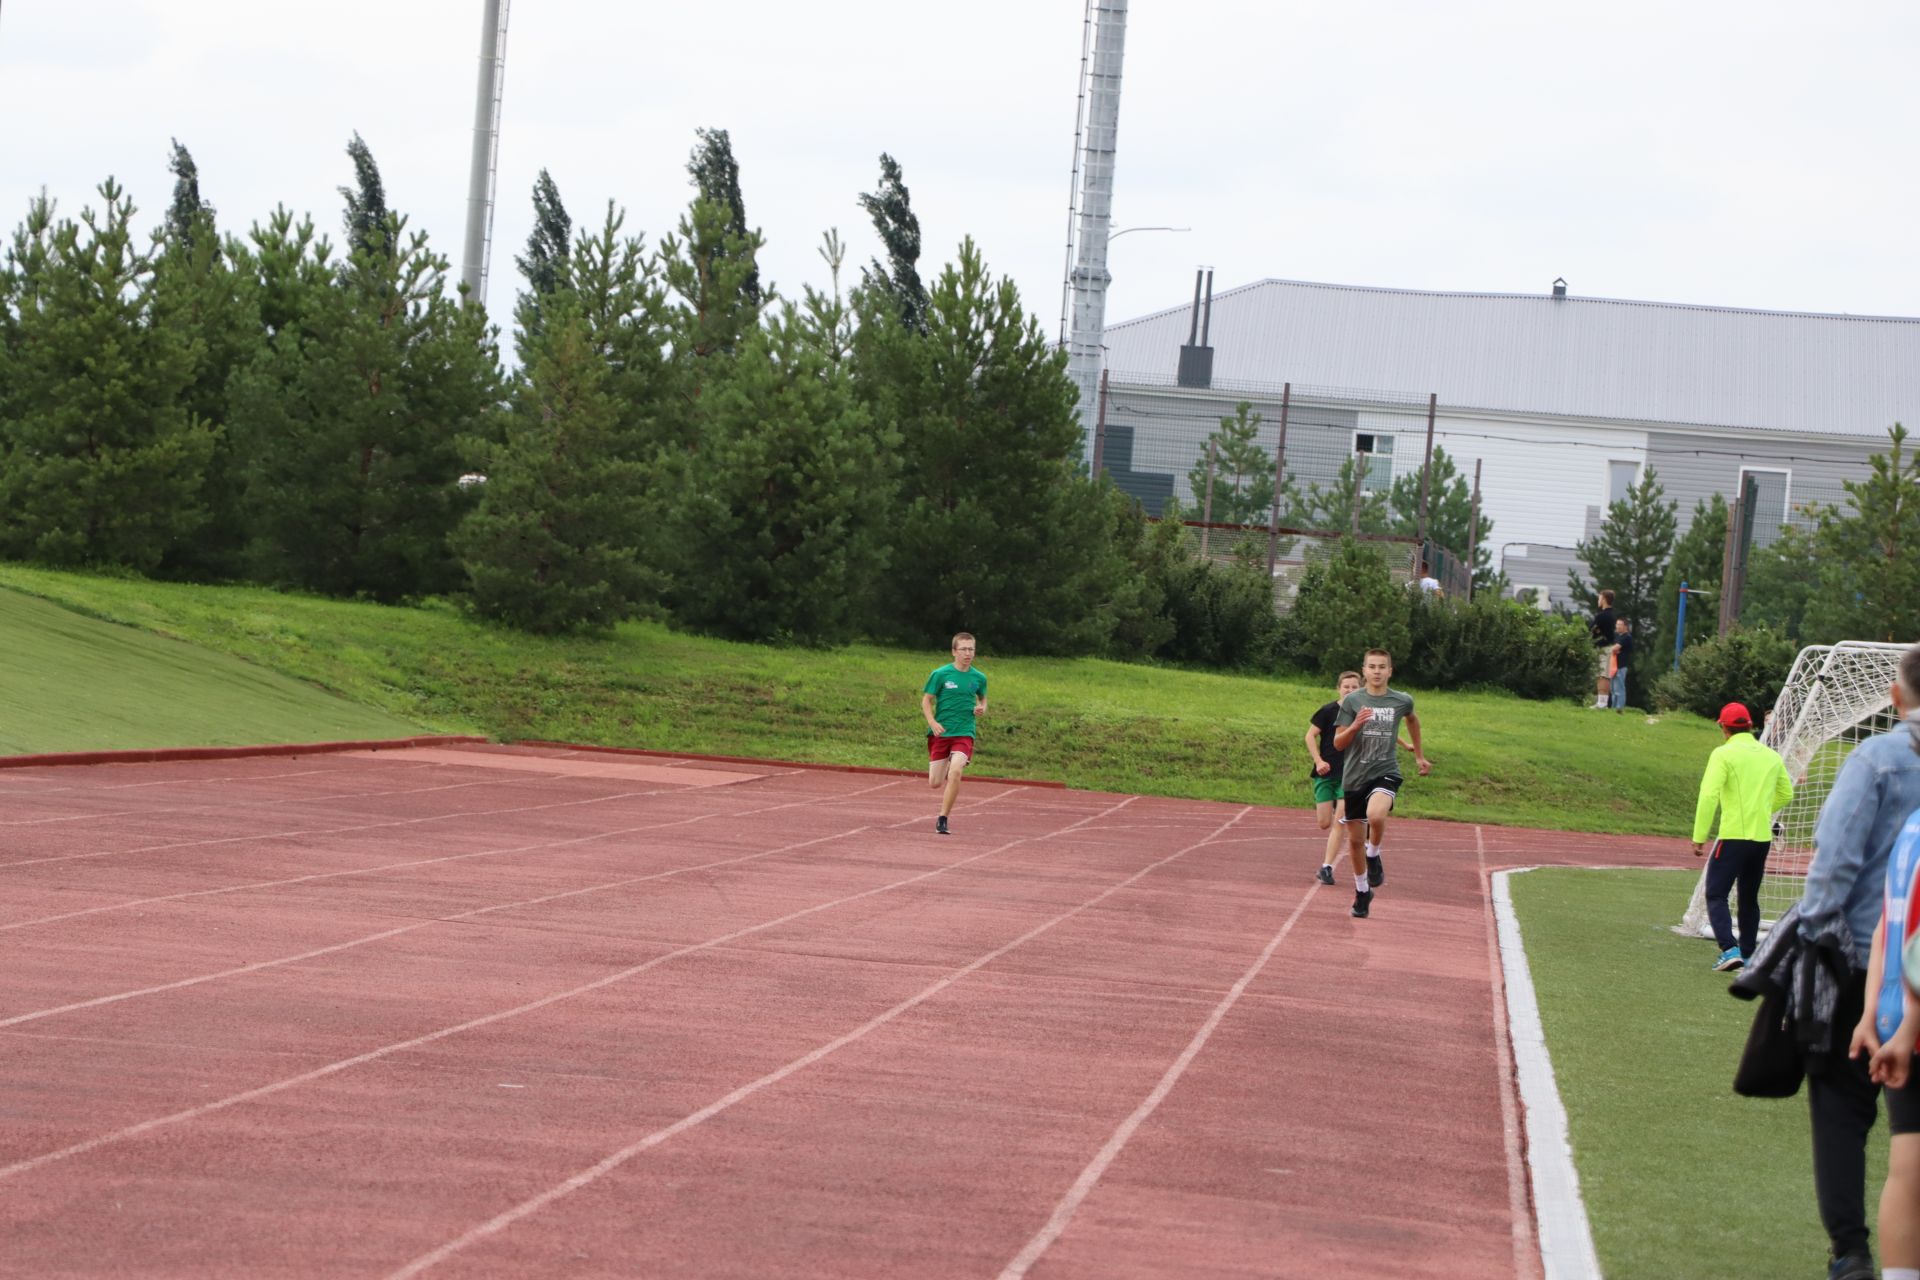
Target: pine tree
{"x":899,"y":230}
{"x":716,"y":176}
{"x":713,"y":272}
{"x":1697,"y":560}
{"x":554,"y":544}
{"x":1782,"y":580}
{"x":189,"y":216}
{"x":546,"y":264}
{"x":101,"y":461}
{"x":779,"y":525}
{"x":1242,"y":472}
{"x":996,"y":530}
{"x":1629,"y":557}
{"x":356,"y":414}
{"x":1870,"y":553}
{"x":206,"y":289}
{"x":367,"y":217}
{"x":1331,"y":508}
{"x":1449,"y":512}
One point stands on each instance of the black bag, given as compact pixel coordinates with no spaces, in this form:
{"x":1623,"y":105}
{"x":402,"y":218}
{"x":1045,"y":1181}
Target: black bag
{"x":1771,"y":1065}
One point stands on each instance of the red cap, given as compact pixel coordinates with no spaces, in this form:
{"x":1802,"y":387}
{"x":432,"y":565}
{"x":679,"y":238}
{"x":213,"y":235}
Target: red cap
{"x":1735,"y":716}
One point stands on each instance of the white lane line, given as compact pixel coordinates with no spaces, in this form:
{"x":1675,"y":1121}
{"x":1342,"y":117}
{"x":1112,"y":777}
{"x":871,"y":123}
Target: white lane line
{"x":257,"y":966}
{"x":506,"y":1219}
{"x":1526,"y":1250}
{"x":417,"y":862}
{"x":1566,"y":1238}
{"x":374,"y":1055}
{"x":1096,"y":1168}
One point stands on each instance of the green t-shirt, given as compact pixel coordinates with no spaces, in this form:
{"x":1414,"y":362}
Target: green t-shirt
{"x":953,"y":693}
{"x":1375,"y":750}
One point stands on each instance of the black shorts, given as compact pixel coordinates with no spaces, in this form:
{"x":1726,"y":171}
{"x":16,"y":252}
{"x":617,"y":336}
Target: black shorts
{"x":1357,"y":797}
{"x":1903,"y":1108}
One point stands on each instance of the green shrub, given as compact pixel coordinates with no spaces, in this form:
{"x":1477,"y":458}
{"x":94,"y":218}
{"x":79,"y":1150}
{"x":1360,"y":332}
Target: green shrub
{"x":1503,"y":643}
{"x":1347,"y":604}
{"x":1747,"y":665}
{"x":1222,"y":614}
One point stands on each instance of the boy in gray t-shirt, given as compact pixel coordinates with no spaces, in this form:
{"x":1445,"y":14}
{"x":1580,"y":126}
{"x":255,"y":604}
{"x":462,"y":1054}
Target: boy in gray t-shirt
{"x":1368,"y":731}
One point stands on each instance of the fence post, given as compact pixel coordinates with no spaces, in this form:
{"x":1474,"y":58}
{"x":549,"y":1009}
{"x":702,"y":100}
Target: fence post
{"x":1426,"y":466}
{"x":1728,"y":555}
{"x":1100,"y":430}
{"x":1680,"y":627}
{"x":1473,"y":529}
{"x":1206,"y":512}
{"x":1360,"y":461}
{"x":1279,"y":478}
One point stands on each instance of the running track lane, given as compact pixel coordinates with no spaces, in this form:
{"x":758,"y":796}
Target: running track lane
{"x":942,"y":1141}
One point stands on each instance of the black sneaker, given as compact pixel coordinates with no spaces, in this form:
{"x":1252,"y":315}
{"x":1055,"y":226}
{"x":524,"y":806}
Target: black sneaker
{"x":1854,"y":1266}
{"x":1362,"y":903}
{"x":1376,"y":871}
{"x":940,"y":826}
{"x":1324,"y":875}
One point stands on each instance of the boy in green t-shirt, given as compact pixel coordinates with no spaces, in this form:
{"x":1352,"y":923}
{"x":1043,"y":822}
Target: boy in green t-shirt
{"x":951,"y":698}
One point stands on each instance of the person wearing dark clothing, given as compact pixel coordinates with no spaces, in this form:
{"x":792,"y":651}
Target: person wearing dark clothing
{"x":1622,"y":649}
{"x":1601,"y":631}
{"x":1878,"y":787}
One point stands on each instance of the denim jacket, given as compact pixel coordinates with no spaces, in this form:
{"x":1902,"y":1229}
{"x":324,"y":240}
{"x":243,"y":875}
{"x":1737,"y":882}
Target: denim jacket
{"x":1878,"y":787}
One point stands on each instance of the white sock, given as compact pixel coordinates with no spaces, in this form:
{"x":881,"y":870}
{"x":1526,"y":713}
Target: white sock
{"x":1360,"y":883}
{"x":1900,"y":1273}
{"x":1373,"y":850}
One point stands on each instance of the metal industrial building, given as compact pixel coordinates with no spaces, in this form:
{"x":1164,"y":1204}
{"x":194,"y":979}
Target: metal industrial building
{"x":1563,"y":400}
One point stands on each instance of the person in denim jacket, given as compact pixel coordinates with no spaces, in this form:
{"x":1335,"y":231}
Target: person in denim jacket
{"x":1878,"y":787}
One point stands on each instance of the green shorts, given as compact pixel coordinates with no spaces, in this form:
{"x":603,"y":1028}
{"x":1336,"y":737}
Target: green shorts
{"x":1326,"y":790}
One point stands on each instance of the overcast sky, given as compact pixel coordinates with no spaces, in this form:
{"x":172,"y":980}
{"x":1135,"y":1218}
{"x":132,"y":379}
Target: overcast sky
{"x":1752,"y":154}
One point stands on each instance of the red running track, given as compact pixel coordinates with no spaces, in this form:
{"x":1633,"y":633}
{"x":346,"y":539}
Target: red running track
{"x":472,"y":1011}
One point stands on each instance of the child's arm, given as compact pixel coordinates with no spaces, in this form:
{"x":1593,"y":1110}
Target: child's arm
{"x":1419,"y":758}
{"x":1866,"y":1037}
{"x":1320,"y":765}
{"x":1892,"y":1061}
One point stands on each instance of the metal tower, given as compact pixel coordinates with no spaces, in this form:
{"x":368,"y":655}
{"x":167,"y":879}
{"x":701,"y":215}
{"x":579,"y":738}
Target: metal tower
{"x":486,"y":150}
{"x":1089,"y":278}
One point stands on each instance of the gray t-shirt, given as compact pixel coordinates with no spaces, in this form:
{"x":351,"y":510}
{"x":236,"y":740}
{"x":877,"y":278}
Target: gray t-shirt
{"x":1374,"y":751}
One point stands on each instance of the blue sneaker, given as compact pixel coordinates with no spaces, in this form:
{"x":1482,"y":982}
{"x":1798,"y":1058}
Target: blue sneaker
{"x":1729,"y":959}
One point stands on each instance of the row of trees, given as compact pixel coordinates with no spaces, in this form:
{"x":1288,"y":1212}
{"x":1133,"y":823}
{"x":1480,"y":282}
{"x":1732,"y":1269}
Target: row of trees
{"x":1835,"y":572}
{"x":897,"y":460}
{"x":1241,"y":473}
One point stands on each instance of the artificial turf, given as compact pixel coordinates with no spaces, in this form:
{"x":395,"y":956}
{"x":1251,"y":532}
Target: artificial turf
{"x":1681,"y":1177}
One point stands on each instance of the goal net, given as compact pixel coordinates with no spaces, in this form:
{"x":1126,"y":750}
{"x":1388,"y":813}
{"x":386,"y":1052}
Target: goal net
{"x":1835,"y":696}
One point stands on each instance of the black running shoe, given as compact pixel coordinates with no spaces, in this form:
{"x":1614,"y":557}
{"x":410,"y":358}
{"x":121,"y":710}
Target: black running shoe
{"x":1854,"y":1266}
{"x":1362,"y":903}
{"x":1324,"y":875}
{"x":940,"y":826}
{"x":1376,"y":871}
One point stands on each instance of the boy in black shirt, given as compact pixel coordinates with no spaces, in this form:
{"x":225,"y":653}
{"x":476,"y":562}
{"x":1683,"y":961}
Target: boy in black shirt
{"x":1601,"y":630}
{"x":1325,"y":774}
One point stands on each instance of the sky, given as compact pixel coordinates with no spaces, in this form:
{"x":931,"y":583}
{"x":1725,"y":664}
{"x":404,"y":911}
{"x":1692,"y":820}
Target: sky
{"x":1753,"y":154}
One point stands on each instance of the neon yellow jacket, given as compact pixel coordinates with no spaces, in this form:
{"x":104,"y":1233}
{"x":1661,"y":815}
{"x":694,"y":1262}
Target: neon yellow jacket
{"x":1749,"y":784}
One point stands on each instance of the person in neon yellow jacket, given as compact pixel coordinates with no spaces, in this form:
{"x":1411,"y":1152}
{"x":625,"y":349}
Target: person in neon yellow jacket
{"x":1748,"y":783}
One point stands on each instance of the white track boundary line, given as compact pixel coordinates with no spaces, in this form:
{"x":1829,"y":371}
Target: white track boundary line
{"x":1096,"y":1168}
{"x":1526,"y":1244}
{"x":506,"y":1219}
{"x":1566,"y":1239}
{"x":367,"y":939}
{"x":471,"y":1024}
{"x":428,"y":862}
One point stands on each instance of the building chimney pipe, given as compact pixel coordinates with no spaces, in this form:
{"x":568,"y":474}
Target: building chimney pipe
{"x":1206,"y":323}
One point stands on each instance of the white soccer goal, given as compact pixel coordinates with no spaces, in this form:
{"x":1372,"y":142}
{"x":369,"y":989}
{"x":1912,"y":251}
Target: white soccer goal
{"x":1835,"y":696}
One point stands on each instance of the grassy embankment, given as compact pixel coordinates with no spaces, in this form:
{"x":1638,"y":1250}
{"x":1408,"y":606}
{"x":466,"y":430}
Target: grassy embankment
{"x":70,"y":683}
{"x":1680,"y":1176}
{"x":1090,"y":723}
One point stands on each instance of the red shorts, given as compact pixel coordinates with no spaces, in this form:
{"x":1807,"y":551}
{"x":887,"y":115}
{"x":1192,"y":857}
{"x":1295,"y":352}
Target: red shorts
{"x":941,"y":748}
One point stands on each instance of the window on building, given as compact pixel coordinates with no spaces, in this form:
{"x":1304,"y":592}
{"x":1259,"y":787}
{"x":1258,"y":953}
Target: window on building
{"x":1378,"y":452}
{"x":1621,"y":476}
{"x":1768,"y":492}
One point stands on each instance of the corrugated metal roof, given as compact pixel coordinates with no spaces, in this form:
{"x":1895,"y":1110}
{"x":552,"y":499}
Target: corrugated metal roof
{"x":1535,"y":354}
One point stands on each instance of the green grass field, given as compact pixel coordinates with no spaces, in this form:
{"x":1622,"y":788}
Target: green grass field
{"x":70,"y":683}
{"x":1095,"y":724}
{"x":1681,"y":1177}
